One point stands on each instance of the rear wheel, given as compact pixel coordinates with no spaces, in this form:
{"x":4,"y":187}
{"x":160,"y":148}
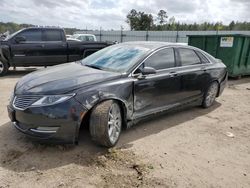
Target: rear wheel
{"x":3,"y":68}
{"x":106,"y":123}
{"x":210,"y":95}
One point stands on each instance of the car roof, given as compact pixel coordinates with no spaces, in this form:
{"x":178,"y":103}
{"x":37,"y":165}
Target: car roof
{"x":152,"y":45}
{"x":53,"y":28}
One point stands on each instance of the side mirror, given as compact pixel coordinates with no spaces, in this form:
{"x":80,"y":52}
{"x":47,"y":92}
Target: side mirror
{"x":148,"y":70}
{"x":20,"y":39}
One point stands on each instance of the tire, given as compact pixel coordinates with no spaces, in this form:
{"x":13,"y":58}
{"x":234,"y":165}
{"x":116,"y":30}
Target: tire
{"x":106,"y":123}
{"x":210,"y":95}
{"x":4,"y":67}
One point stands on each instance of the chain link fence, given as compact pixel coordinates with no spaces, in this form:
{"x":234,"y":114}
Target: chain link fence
{"x":165,"y":36}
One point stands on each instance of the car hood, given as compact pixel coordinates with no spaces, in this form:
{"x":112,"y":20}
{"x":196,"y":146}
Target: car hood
{"x":61,"y":79}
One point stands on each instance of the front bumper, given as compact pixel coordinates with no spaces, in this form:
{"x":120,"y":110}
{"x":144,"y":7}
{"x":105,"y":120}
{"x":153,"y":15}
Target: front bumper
{"x":57,"y":123}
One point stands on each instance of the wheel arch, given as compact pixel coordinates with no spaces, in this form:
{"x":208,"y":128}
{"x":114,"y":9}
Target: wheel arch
{"x":5,"y":54}
{"x":214,"y":80}
{"x":121,"y":104}
{"x":218,"y":92}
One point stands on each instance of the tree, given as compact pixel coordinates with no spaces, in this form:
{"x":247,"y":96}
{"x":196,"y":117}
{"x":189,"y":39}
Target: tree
{"x":132,"y":19}
{"x":161,"y":16}
{"x":139,"y":20}
{"x":218,"y":26}
{"x":231,"y":25}
{"x":172,"y":23}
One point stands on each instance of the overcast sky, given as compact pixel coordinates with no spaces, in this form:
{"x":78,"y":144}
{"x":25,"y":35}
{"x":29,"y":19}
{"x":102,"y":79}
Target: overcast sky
{"x":111,"y":14}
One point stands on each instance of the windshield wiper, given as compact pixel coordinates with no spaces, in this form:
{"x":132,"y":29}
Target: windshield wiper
{"x":94,"y":67}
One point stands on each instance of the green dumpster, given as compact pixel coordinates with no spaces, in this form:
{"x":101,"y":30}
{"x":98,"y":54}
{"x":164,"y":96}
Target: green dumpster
{"x":233,"y":50}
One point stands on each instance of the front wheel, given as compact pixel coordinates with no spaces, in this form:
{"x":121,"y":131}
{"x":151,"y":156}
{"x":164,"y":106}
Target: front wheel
{"x":210,"y":95}
{"x":3,"y":68}
{"x":106,"y":123}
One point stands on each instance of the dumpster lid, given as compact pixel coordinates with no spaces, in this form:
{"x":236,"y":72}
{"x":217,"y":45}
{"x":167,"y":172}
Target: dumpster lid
{"x":220,"y":35}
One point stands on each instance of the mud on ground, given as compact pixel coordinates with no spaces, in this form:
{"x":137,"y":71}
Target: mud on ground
{"x":192,"y":147}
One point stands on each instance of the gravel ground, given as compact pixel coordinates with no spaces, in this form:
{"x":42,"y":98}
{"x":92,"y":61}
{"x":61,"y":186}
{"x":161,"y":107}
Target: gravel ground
{"x":193,"y":147}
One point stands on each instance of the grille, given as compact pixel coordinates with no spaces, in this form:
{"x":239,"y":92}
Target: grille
{"x":23,"y":102}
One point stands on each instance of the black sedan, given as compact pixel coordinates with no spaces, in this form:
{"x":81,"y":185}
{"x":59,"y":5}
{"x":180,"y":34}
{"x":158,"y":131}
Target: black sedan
{"x":112,"y":89}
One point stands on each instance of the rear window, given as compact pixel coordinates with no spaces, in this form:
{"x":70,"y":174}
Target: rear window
{"x":202,"y":57}
{"x":188,"y":57}
{"x":53,"y":35}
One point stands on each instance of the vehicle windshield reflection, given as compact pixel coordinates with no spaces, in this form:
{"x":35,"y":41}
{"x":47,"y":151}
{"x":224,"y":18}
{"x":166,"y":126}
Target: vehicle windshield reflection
{"x":117,"y":58}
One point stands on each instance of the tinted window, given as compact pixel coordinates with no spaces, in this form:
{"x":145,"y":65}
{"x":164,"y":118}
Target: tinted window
{"x":188,"y":57}
{"x":202,"y":57}
{"x":161,"y":60}
{"x":52,"y":35}
{"x":32,"y":35}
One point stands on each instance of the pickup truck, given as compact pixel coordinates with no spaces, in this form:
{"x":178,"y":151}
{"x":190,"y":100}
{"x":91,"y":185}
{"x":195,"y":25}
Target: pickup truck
{"x":42,"y":47}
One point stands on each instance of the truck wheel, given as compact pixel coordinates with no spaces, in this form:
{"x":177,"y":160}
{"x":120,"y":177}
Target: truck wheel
{"x":106,"y":123}
{"x":3,"y":68}
{"x":210,"y":95}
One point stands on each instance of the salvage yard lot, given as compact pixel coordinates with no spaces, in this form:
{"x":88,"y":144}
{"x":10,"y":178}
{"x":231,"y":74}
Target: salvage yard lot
{"x":188,"y":148}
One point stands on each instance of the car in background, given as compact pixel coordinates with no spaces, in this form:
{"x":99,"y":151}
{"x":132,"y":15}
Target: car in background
{"x":84,"y":37}
{"x":69,"y":36}
{"x":42,"y":46}
{"x":113,"y":89}
{"x":73,"y":39}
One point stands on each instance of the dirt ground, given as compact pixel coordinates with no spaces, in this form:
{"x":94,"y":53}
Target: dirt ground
{"x":193,"y":147}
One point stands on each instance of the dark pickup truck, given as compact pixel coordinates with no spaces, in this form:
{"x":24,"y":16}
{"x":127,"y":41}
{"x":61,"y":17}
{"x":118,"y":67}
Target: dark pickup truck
{"x":42,"y":47}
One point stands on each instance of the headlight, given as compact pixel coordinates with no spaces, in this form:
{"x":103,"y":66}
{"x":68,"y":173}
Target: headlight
{"x":52,"y":99}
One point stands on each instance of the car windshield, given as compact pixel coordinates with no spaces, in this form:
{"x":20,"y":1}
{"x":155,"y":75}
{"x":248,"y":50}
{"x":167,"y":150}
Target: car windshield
{"x":116,"y":58}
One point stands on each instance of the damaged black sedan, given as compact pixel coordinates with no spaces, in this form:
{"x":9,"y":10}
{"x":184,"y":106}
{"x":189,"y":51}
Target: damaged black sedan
{"x":112,"y":89}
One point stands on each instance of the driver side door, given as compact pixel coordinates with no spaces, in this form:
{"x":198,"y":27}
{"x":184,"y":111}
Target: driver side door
{"x":27,"y":52}
{"x":159,"y":91}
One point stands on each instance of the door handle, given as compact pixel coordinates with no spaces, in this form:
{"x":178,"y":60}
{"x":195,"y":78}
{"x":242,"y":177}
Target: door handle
{"x":204,"y":69}
{"x":173,"y":74}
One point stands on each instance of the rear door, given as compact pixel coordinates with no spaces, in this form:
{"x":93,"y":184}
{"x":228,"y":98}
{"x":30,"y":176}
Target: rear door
{"x":54,"y":46}
{"x":160,"y":90}
{"x":193,"y":73}
{"x":27,"y":52}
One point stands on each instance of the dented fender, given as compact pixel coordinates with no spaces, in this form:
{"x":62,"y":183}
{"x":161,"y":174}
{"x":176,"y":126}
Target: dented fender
{"x":120,"y":90}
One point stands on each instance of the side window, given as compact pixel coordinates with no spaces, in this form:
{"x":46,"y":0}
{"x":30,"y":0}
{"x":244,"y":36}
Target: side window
{"x":202,"y":57}
{"x":89,"y":38}
{"x":81,"y":38}
{"x":188,"y":57}
{"x":162,"y":59}
{"x":31,"y":35}
{"x":52,"y":35}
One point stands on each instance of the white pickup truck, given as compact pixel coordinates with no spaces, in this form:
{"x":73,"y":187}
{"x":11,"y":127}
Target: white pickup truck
{"x":85,"y":37}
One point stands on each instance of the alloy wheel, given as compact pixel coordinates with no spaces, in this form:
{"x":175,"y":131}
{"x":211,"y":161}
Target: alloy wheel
{"x":114,"y":123}
{"x":1,"y":66}
{"x":211,"y":94}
